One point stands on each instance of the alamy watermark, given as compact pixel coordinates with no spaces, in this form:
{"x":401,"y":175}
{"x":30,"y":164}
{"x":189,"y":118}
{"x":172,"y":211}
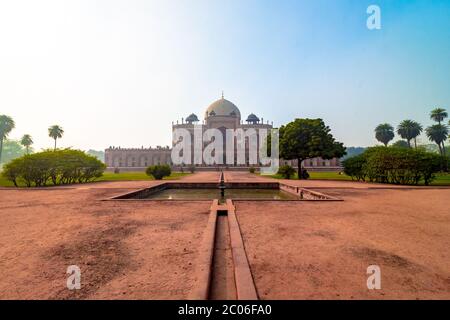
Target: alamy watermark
{"x":374,"y":20}
{"x":374,"y":280}
{"x":227,"y":147}
{"x":74,"y":279}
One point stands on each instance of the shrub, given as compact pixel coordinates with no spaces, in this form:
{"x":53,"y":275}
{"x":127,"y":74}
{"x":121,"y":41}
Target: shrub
{"x":59,"y":167}
{"x":159,"y":171}
{"x":353,"y":167}
{"x":286,"y":171}
{"x":394,"y":165}
{"x":11,"y":171}
{"x":252,"y":170}
{"x":192,"y":169}
{"x":116,"y":170}
{"x":400,"y":144}
{"x":305,"y":174}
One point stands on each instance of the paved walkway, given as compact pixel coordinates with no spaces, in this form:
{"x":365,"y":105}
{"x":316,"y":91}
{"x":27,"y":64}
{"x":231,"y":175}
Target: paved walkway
{"x":236,"y":176}
{"x":303,"y":250}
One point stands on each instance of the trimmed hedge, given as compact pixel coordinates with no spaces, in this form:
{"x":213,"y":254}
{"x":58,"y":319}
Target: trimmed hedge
{"x":57,"y":167}
{"x":394,"y":165}
{"x":159,"y":171}
{"x":354,"y":167}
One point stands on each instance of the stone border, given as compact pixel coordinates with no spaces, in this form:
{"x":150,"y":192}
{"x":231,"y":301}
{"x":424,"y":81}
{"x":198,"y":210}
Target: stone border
{"x":245,"y":287}
{"x":299,"y":191}
{"x":141,"y":194}
{"x":204,"y":266}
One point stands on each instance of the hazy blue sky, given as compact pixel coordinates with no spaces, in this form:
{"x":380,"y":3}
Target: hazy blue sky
{"x":119,"y":72}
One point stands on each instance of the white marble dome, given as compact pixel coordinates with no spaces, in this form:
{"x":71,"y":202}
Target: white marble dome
{"x":223,"y":107}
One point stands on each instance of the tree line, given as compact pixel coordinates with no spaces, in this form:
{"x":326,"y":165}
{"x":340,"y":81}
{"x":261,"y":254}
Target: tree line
{"x":409,"y":130}
{"x":7,"y":124}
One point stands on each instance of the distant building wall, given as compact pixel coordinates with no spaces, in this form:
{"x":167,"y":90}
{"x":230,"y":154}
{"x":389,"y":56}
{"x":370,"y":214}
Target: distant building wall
{"x":315,"y":163}
{"x":116,"y":157}
{"x":139,"y":159}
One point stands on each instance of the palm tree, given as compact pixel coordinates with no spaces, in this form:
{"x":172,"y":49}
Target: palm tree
{"x":438,"y":115}
{"x":55,"y":132}
{"x":384,"y":133}
{"x":408,"y":130}
{"x":6,"y":125}
{"x":438,"y":133}
{"x":26,"y":141}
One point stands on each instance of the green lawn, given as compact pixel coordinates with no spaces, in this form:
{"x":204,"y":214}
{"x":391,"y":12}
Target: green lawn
{"x":441,"y":179}
{"x":110,"y":176}
{"x":136,"y":176}
{"x":318,"y":176}
{"x":5,"y":183}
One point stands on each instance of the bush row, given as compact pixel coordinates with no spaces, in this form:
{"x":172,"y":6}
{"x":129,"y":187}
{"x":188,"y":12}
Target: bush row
{"x":394,"y":165}
{"x":58,"y":167}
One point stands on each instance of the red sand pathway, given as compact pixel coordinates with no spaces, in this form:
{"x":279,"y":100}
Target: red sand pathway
{"x":295,"y":249}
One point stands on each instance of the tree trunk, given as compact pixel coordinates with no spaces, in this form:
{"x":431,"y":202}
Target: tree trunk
{"x":445,"y":159}
{"x":409,"y":143}
{"x":415,"y":143}
{"x":1,"y":148}
{"x":299,"y":170}
{"x":440,"y":149}
{"x":55,"y":145}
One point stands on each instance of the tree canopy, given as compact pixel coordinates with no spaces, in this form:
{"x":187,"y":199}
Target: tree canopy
{"x":55,"y":132}
{"x":6,"y":126}
{"x":308,"y":138}
{"x":26,"y":141}
{"x":438,"y":133}
{"x":12,"y":149}
{"x":408,"y":130}
{"x":384,"y":133}
{"x":400,"y":144}
{"x":438,"y":115}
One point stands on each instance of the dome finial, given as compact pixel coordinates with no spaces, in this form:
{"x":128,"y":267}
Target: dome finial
{"x":222,"y":95}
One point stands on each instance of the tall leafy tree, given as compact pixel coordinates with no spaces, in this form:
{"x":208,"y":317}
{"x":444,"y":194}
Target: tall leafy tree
{"x":12,"y":149}
{"x":438,"y":115}
{"x":384,"y":133}
{"x":6,"y":126}
{"x":303,"y":139}
{"x":55,"y":132}
{"x":26,"y":141}
{"x":438,"y":133}
{"x":408,"y":130}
